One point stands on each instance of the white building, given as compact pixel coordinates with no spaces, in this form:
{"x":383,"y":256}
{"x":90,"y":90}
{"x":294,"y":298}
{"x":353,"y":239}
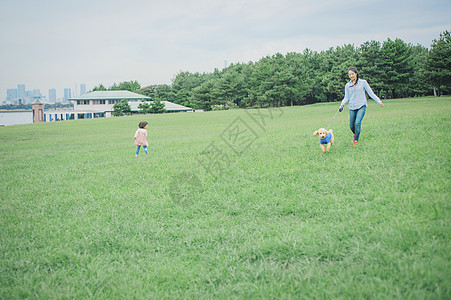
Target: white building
{"x":100,"y":104}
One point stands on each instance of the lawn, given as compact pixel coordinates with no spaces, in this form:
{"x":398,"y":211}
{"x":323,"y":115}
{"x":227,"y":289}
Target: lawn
{"x":230,"y":204}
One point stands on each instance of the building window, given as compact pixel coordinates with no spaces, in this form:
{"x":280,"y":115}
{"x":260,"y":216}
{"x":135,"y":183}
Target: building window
{"x":83,"y":102}
{"x":98,"y":102}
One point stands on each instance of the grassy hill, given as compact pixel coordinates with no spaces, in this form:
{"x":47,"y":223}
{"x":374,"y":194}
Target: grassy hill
{"x":230,"y":204}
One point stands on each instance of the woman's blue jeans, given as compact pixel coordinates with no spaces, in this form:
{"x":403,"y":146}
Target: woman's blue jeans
{"x":137,"y":149}
{"x":355,"y":120}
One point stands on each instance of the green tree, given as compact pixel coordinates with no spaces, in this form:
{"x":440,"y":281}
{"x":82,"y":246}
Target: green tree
{"x":236,"y":76}
{"x":203,"y":95}
{"x":121,"y":108}
{"x":370,"y":65}
{"x":397,"y":67}
{"x":183,"y":84}
{"x":225,"y":90}
{"x":131,"y":86}
{"x":393,"y":69}
{"x":439,"y":63}
{"x":418,"y":82}
{"x":263,"y":82}
{"x":334,"y":66}
{"x":309,"y":75}
{"x":283,"y":91}
{"x":99,"y":88}
{"x":157,"y":107}
{"x":145,"y":107}
{"x":158,"y":91}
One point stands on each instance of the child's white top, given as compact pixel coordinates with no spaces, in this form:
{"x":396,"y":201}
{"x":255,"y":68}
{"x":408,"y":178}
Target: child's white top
{"x":142,"y":130}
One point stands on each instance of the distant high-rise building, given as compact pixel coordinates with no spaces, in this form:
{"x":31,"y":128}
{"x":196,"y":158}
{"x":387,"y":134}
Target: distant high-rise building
{"x":52,"y":95}
{"x":82,"y":89}
{"x":21,"y":93}
{"x":67,"y":95}
{"x":36,"y":93}
{"x":11,"y":94}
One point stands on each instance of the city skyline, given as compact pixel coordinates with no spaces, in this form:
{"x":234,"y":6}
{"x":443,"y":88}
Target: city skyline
{"x":27,"y":96}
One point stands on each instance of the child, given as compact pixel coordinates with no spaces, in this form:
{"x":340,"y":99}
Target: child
{"x":141,"y":137}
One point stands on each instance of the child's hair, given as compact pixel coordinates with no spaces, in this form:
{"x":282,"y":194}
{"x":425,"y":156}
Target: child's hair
{"x":142,"y":124}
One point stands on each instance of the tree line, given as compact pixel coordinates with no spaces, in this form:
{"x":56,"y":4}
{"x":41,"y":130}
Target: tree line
{"x":394,"y":69}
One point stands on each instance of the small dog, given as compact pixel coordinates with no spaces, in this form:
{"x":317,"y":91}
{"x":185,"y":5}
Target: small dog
{"x":327,"y":137}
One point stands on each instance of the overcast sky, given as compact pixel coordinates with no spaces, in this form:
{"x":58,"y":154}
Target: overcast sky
{"x":61,"y":43}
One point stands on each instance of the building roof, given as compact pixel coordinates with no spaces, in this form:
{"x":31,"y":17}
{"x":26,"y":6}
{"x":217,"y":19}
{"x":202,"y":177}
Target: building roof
{"x":169,"y":106}
{"x":38,"y":101}
{"x":110,"y":95}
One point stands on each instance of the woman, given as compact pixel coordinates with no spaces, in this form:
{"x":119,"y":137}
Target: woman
{"x":355,"y":95}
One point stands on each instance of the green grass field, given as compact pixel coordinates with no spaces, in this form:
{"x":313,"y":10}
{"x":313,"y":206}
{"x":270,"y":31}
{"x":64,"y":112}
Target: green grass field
{"x":230,"y":204}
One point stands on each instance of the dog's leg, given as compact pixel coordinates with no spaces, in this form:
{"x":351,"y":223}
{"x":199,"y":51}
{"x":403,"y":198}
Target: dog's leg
{"x":328,"y":146}
{"x":323,"y":148}
{"x":332,"y":139}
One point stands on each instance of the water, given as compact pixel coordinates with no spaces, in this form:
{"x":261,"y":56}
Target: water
{"x":16,"y":117}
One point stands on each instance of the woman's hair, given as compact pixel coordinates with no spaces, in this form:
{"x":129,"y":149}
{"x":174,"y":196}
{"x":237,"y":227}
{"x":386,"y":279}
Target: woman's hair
{"x":354,"y":69}
{"x":142,"y":124}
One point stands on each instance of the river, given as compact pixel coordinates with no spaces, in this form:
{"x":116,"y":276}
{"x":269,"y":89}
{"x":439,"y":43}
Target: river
{"x":15,"y":117}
